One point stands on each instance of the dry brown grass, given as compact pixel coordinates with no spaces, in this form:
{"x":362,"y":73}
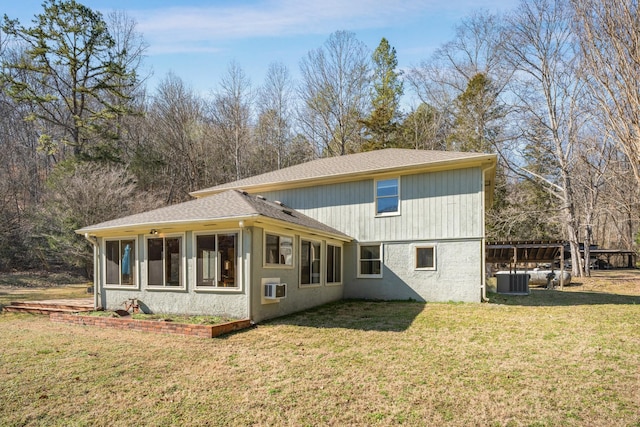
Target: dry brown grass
{"x":32,"y":286}
{"x":8,"y":294}
{"x":622,"y":282}
{"x":40,"y":279}
{"x":554,"y":358}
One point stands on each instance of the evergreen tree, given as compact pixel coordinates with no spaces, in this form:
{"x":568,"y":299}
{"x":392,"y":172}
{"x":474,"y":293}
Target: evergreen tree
{"x":476,"y":110}
{"x":73,"y":77}
{"x":382,"y":124}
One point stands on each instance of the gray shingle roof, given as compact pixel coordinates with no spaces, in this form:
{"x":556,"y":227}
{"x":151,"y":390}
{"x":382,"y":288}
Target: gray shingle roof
{"x":231,"y":204}
{"x":389,"y":159}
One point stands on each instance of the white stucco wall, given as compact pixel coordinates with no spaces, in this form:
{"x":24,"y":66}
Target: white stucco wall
{"x":298,"y":297}
{"x":180,"y":302}
{"x":457,"y":277}
{"x":188,"y":301}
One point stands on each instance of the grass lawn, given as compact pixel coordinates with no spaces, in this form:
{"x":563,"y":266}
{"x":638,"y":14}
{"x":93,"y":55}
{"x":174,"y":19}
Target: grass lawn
{"x":554,"y":358}
{"x":31,"y":286}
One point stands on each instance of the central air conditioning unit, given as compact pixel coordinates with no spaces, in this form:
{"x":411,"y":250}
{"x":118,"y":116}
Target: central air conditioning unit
{"x":275,"y":290}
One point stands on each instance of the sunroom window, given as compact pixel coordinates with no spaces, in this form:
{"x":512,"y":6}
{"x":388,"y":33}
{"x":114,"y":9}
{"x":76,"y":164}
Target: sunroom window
{"x":120,"y":262}
{"x":164,"y":262}
{"x":309,"y":263}
{"x":334,"y":264}
{"x":216,"y":262}
{"x":278,"y":250}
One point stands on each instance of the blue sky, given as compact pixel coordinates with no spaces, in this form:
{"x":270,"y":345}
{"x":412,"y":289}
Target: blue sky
{"x":197,"y":39}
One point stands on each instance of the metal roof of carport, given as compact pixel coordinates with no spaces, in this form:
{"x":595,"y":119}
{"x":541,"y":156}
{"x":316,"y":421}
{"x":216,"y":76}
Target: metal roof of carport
{"x":524,"y":251}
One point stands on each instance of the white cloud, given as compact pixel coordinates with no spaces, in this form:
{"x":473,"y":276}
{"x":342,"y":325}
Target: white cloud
{"x":207,"y":28}
{"x":201,"y":29}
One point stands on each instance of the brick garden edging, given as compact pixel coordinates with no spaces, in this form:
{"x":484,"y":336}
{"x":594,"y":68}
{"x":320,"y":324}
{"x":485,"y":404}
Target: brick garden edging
{"x":203,"y":331}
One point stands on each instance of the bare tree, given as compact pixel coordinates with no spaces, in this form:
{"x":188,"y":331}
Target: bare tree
{"x":23,"y":170}
{"x":594,"y":159}
{"x":618,"y":225}
{"x":130,"y":46}
{"x":609,"y":35}
{"x":231,"y":113}
{"x":549,"y":89}
{"x":335,"y":94}
{"x":177,"y":134}
{"x":82,"y":195}
{"x":425,"y":128}
{"x":447,"y":80}
{"x":274,"y":117}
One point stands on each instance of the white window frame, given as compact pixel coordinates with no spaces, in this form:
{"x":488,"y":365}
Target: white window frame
{"x":133,"y":266}
{"x":183,"y":262}
{"x":266,"y":264}
{"x":326,"y":264}
{"x":238,"y":257}
{"x":415,"y":257}
{"x":320,"y":264}
{"x":381,"y":260}
{"x":376,"y":197}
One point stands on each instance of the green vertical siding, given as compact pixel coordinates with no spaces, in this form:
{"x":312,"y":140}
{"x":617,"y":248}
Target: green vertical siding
{"x":438,"y":205}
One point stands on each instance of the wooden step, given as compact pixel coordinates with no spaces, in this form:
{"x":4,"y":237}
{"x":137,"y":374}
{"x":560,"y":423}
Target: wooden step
{"x":38,"y":310}
{"x":50,"y":306}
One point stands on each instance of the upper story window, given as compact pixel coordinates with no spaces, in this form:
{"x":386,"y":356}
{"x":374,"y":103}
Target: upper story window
{"x":278,"y":250}
{"x":120,"y":262}
{"x":387,"y":196}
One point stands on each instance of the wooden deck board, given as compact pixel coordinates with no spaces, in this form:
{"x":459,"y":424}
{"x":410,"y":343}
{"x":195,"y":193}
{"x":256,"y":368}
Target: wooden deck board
{"x":52,"y":305}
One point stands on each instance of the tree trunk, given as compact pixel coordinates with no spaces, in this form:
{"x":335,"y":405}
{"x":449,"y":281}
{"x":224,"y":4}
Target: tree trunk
{"x":570,"y":225}
{"x":587,"y":247}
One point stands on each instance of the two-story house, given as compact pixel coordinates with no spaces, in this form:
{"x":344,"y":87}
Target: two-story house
{"x":387,"y":224}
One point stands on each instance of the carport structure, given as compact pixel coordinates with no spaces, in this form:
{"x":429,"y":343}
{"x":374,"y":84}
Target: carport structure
{"x":611,"y":253}
{"x":514,"y":252}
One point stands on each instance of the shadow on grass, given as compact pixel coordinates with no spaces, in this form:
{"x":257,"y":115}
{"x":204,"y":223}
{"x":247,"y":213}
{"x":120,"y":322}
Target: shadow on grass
{"x":389,"y":316}
{"x":545,"y":297}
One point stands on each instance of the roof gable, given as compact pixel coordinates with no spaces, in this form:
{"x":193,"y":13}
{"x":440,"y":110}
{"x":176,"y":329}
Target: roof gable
{"x":352,"y":166}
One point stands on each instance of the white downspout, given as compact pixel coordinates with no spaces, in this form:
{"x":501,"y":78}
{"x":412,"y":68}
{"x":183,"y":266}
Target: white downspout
{"x":247,"y":270}
{"x":96,"y":270}
{"x":483,"y":285}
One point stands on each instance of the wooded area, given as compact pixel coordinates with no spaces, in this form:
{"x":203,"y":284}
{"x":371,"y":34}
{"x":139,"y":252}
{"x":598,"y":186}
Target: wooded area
{"x":552,"y":87}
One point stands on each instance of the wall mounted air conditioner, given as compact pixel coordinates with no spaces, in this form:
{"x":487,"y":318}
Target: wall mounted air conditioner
{"x":275,"y":290}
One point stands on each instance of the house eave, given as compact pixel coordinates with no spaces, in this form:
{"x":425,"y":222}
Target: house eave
{"x":485,"y":161}
{"x":168,"y":227}
{"x":300,"y":229}
{"x":165,"y":226}
{"x":489,"y":183}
